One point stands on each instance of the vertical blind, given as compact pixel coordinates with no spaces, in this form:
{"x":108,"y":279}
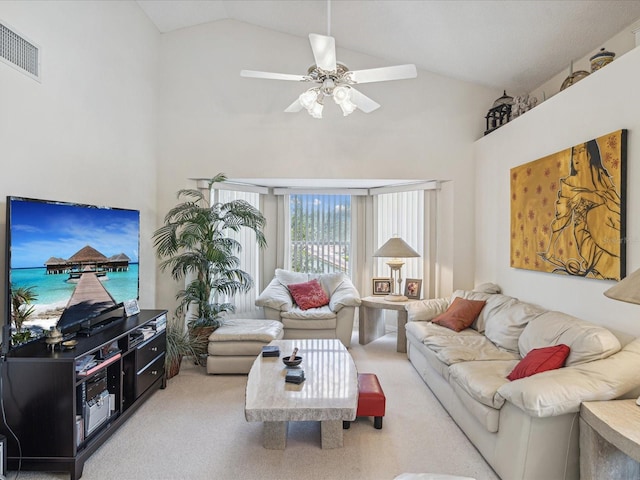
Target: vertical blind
{"x":400,"y":214}
{"x":320,"y":237}
{"x":249,"y":256}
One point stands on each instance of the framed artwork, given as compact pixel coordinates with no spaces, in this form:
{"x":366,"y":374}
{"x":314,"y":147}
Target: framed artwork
{"x":412,"y":288}
{"x":382,"y":286}
{"x":568,"y":210}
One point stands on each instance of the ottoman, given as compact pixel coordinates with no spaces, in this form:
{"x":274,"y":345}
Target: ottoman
{"x":234,"y":346}
{"x":371,"y":400}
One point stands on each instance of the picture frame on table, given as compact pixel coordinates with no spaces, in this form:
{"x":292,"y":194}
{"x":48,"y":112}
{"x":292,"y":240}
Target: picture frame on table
{"x":131,"y":307}
{"x":382,"y":286}
{"x":413,"y":288}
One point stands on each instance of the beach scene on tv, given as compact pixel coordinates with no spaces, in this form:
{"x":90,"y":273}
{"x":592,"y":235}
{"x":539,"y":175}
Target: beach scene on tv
{"x":69,"y":262}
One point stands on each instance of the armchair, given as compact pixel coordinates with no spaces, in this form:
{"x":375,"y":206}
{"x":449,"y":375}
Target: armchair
{"x":334,"y":320}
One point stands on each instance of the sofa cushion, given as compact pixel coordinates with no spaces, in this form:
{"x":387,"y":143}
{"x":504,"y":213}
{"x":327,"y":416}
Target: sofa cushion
{"x":481,"y":380}
{"x":487,"y":417}
{"x":308,"y":294}
{"x":493,"y":302}
{"x":307,"y":323}
{"x":426,"y":309}
{"x":422,"y":330}
{"x":322,"y":313}
{"x":476,"y":384}
{"x":275,"y":296}
{"x":247,"y":329}
{"x":507,"y":319}
{"x":587,"y":341}
{"x":488,"y":288}
{"x":286,"y":277}
{"x":561,"y":391}
{"x":452,"y":347}
{"x":330,"y":281}
{"x":473,"y":348}
{"x":540,"y":360}
{"x":344,"y":295}
{"x":460,"y":314}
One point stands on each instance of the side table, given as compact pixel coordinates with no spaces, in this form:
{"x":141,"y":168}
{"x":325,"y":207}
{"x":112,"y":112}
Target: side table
{"x":371,"y":320}
{"x":609,"y":439}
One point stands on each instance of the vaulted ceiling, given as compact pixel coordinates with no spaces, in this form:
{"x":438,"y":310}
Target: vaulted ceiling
{"x":507,"y":44}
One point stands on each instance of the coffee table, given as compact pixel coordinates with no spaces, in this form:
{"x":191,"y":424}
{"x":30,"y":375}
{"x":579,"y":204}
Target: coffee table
{"x":328,"y":395}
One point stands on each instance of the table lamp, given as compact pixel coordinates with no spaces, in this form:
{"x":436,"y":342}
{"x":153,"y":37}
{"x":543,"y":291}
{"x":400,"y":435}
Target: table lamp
{"x":396,"y":249}
{"x":627,"y":289}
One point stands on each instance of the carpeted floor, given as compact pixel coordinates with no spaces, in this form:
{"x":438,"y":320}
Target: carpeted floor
{"x":195,"y":429}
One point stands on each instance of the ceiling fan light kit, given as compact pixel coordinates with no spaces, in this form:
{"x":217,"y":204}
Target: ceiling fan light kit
{"x":334,"y":80}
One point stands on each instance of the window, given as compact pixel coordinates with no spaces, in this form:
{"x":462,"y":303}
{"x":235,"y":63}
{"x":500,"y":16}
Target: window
{"x":320,"y":233}
{"x":324,"y":230}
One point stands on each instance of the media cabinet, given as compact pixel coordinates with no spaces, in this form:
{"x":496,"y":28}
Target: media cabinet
{"x":56,"y":412}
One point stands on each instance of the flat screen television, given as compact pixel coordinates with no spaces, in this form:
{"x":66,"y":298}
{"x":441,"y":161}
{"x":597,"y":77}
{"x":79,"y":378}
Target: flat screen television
{"x":78,"y":260}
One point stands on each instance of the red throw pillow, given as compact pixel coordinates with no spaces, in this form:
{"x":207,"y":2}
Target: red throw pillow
{"x":540,"y":360}
{"x":460,"y":314}
{"x":308,"y":294}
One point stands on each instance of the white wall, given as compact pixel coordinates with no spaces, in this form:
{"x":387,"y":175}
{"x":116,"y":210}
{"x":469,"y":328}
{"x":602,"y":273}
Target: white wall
{"x":87,"y":133}
{"x":601,"y":103}
{"x":212,"y":120}
{"x":619,"y":44}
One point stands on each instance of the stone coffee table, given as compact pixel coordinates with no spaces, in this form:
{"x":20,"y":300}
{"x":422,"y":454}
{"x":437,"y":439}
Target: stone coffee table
{"x":328,"y":395}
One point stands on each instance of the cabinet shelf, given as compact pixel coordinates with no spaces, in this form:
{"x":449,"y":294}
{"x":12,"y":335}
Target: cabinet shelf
{"x":83,"y":375}
{"x":46,"y":398}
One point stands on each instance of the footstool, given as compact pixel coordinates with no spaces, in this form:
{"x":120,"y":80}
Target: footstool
{"x":371,"y":399}
{"x":234,"y":346}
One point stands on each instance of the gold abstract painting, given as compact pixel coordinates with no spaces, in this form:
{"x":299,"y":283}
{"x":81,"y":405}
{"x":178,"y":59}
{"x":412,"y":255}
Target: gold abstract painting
{"x":568,"y":210}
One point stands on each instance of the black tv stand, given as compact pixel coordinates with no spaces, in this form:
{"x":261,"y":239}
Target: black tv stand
{"x":49,"y":405}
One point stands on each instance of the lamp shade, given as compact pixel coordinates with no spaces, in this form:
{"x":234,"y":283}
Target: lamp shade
{"x":627,"y":289}
{"x":396,"y":248}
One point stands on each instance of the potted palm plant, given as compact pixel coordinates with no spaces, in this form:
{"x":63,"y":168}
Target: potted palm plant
{"x":195,"y":243}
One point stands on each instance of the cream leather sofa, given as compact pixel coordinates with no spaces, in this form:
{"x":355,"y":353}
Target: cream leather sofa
{"x":334,"y":320}
{"x":527,"y":428}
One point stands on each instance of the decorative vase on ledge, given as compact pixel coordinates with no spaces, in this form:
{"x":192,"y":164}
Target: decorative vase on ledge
{"x":601,"y":59}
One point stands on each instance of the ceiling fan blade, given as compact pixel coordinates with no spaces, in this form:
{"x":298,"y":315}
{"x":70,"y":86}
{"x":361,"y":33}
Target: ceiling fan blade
{"x":273,"y":76}
{"x":363,"y":102}
{"x":324,"y":51}
{"x":398,"y":72}
{"x":295,"y":107}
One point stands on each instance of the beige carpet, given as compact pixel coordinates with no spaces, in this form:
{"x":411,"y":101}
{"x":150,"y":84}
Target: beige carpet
{"x":195,"y":429}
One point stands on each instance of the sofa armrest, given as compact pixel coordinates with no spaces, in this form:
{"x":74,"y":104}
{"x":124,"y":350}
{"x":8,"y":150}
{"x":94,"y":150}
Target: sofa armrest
{"x":561,"y":391}
{"x":425,"y":310}
{"x":275,"y":296}
{"x":345,"y":295}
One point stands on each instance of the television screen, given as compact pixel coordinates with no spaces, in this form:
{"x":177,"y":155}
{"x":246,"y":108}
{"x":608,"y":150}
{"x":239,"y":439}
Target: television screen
{"x":75,"y":261}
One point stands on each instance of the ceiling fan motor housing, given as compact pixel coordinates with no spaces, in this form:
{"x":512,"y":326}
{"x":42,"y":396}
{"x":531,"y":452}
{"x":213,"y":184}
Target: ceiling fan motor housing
{"x":330,"y":79}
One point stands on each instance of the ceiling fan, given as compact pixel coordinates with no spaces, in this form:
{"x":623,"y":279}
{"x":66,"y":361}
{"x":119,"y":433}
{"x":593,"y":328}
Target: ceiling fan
{"x":335,"y":80}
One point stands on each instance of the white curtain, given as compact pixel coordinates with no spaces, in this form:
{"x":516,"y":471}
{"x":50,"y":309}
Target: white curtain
{"x":249,"y":256}
{"x":400,"y":214}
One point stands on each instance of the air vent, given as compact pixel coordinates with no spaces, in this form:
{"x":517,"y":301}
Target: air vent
{"x":19,"y":52}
